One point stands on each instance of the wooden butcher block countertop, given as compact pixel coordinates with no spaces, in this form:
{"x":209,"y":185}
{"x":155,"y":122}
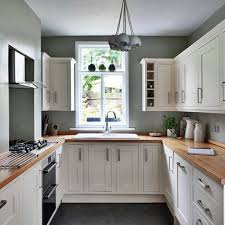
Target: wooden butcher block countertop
{"x":8,"y":175}
{"x":213,"y":166}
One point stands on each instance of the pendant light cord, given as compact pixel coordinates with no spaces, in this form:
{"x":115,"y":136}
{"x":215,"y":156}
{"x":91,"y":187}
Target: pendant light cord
{"x":118,"y":26}
{"x":129,"y":19}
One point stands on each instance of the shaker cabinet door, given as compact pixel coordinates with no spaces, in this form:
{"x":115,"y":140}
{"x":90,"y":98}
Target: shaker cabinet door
{"x":75,"y":168}
{"x":182,"y":190}
{"x":126,"y":168}
{"x":99,"y":168}
{"x":209,"y":75}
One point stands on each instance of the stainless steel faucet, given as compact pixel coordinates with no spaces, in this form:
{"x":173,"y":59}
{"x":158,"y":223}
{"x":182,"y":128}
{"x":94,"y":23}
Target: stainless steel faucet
{"x":107,"y":128}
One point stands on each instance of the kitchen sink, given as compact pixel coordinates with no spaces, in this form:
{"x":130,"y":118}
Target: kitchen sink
{"x":105,"y":136}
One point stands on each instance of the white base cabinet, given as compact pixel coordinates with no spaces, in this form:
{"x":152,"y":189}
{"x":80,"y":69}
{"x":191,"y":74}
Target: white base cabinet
{"x":31,"y":197}
{"x":113,"y":168}
{"x":10,"y":204}
{"x":99,"y":168}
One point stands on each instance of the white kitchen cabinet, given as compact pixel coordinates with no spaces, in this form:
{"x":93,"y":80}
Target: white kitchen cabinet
{"x":157,"y":84}
{"x":183,"y":192}
{"x":126,"y":168}
{"x":209,"y":75}
{"x":46,"y":91}
{"x":191,"y":81}
{"x":58,"y":77}
{"x":60,"y":174}
{"x":10,"y":204}
{"x":150,"y":168}
{"x":31,"y":197}
{"x":99,"y":168}
{"x":169,"y":175}
{"x":75,"y":168}
{"x":222,"y":75}
{"x":180,"y":87}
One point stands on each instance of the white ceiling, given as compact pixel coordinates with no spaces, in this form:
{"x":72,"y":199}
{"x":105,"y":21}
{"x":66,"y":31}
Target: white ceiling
{"x":100,"y":17}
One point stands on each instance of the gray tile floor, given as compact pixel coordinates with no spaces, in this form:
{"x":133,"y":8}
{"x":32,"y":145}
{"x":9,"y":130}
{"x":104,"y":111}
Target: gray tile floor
{"x":113,"y":214}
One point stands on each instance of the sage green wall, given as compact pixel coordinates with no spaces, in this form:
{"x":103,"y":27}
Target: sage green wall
{"x":211,"y":120}
{"x":21,"y":28}
{"x":158,"y":47}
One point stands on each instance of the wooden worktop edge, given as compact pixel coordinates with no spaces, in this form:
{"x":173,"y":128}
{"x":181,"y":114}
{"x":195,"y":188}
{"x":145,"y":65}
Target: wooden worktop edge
{"x":17,"y":172}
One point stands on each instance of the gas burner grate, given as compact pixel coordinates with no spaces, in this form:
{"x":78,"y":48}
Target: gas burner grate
{"x":15,"y":160}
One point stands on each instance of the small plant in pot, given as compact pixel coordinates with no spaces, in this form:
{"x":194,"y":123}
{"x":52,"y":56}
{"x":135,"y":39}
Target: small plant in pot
{"x":170,"y":124}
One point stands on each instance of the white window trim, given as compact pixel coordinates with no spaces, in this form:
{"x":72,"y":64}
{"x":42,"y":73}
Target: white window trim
{"x":77,"y":88}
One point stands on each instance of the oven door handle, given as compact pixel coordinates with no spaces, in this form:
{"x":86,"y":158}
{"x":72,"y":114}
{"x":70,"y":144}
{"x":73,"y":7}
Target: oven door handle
{"x":50,"y":167}
{"x":53,"y":188}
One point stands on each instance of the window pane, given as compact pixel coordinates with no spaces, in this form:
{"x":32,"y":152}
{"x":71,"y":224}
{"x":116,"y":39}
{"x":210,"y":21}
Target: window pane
{"x":113,"y":95}
{"x":91,"y":98}
{"x":100,"y":55}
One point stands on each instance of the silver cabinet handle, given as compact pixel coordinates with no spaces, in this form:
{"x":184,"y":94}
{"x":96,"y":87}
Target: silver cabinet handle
{"x":55,"y":96}
{"x":168,"y":97}
{"x":176,"y":96}
{"x":223,"y":83}
{"x":107,"y":155}
{"x":59,"y":158}
{"x":3,"y":203}
{"x":49,"y":96}
{"x":182,"y":167}
{"x":170,"y":167}
{"x":206,"y":210}
{"x":118,"y":152}
{"x":198,"y":222}
{"x":146,"y":155}
{"x":80,"y":154}
{"x":183,"y":96}
{"x":200,"y":95}
{"x":205,"y":186}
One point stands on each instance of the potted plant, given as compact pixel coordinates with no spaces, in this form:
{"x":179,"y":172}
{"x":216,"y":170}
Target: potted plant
{"x":170,"y":124}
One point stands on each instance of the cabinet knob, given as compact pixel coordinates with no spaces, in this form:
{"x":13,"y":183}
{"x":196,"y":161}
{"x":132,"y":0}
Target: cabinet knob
{"x":80,"y":154}
{"x":146,"y":155}
{"x":107,"y":155}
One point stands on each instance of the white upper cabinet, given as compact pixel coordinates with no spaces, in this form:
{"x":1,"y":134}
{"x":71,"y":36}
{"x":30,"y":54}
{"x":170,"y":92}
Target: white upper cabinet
{"x":126,"y":168}
{"x":58,"y":77}
{"x":191,"y":81}
{"x":46,"y":92}
{"x":209,"y":75}
{"x":180,"y":88}
{"x":157,"y":84}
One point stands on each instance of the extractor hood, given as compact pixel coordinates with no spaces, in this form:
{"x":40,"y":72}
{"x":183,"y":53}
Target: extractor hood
{"x":21,"y":70}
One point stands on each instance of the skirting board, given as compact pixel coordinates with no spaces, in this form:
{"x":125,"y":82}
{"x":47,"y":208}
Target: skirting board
{"x":71,"y":198}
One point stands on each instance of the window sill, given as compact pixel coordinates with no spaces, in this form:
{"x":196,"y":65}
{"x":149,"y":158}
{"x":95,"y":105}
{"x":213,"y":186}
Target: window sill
{"x":119,"y":129}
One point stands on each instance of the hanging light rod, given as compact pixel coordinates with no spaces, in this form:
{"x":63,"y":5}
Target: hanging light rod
{"x":123,"y":42}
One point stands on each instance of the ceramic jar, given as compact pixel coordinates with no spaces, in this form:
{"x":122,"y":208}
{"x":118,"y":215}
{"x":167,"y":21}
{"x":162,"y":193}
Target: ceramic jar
{"x":189,"y":132}
{"x":199,"y":132}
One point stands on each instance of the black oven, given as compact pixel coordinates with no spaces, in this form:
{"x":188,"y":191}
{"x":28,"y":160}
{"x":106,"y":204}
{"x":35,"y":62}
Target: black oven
{"x":49,"y":188}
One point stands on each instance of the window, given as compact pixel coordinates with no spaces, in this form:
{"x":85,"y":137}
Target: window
{"x":101,"y":91}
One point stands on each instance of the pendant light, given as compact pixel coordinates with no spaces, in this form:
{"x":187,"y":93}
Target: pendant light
{"x":123,"y":42}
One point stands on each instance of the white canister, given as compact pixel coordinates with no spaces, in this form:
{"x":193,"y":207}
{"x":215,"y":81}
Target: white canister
{"x":199,"y":132}
{"x":189,"y":132}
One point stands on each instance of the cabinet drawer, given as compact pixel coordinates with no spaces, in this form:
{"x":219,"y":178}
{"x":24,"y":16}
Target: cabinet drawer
{"x":9,"y":203}
{"x":208,"y":186}
{"x":210,"y":208}
{"x":198,"y":217}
